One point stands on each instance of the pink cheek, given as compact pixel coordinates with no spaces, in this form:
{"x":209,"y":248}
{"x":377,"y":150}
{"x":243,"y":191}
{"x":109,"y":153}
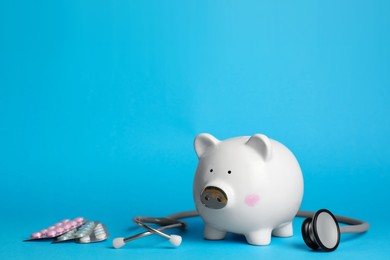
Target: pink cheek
{"x":252,"y":199}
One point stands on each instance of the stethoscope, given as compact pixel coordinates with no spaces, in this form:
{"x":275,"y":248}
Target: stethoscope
{"x":320,"y":230}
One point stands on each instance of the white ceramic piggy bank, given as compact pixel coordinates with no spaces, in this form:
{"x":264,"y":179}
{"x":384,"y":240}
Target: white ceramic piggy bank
{"x":246,"y":185}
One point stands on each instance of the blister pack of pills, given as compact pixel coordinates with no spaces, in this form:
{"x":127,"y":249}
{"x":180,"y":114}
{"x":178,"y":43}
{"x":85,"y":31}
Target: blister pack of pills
{"x":91,"y":231}
{"x":57,"y":229}
{"x":99,"y":233}
{"x":78,"y":230}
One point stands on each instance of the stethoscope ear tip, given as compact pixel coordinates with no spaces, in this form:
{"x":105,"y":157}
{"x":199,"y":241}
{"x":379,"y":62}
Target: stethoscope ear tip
{"x":175,"y":240}
{"x":118,"y":242}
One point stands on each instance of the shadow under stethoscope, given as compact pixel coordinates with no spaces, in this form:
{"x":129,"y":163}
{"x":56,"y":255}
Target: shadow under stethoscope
{"x":300,"y":245}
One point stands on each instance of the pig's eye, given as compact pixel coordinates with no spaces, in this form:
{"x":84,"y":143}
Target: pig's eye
{"x":211,"y":170}
{"x":229,"y":172}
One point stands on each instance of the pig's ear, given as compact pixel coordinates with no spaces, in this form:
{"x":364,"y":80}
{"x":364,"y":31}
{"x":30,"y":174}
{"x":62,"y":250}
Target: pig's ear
{"x":203,"y":142}
{"x":262,"y":145}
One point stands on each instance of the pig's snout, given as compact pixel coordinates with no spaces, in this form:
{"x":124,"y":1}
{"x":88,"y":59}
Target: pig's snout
{"x":213,"y":197}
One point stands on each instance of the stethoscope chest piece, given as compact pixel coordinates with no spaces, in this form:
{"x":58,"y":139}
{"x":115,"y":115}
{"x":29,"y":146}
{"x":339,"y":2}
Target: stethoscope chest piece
{"x":321,"y":231}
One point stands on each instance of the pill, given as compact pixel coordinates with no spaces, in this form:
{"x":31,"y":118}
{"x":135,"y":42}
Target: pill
{"x":36,"y":235}
{"x":51,"y":228}
{"x":61,"y":238}
{"x":59,"y":230}
{"x":67,"y":226}
{"x":73,"y":223}
{"x":43,"y":232}
{"x":51,"y":233}
{"x":79,"y":219}
{"x":85,"y":239}
{"x":59,"y":224}
{"x":101,"y":236}
{"x":65,"y":221}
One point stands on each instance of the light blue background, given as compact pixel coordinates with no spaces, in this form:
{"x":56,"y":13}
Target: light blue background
{"x":100,"y":102}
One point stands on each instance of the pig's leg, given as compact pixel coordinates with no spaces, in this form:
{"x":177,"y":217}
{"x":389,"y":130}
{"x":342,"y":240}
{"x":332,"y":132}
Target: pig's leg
{"x":213,"y":234}
{"x":260,"y":237}
{"x":285,"y":230}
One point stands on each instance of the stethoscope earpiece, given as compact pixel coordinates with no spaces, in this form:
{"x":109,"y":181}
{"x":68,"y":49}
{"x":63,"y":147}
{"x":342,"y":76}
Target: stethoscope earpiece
{"x":321,"y":231}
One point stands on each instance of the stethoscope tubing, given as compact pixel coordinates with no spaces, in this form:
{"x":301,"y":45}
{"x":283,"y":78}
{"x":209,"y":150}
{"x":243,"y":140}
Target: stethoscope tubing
{"x":172,"y":221}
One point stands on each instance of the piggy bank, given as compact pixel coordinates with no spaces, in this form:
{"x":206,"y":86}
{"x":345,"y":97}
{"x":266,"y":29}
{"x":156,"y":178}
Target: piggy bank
{"x":246,"y":185}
